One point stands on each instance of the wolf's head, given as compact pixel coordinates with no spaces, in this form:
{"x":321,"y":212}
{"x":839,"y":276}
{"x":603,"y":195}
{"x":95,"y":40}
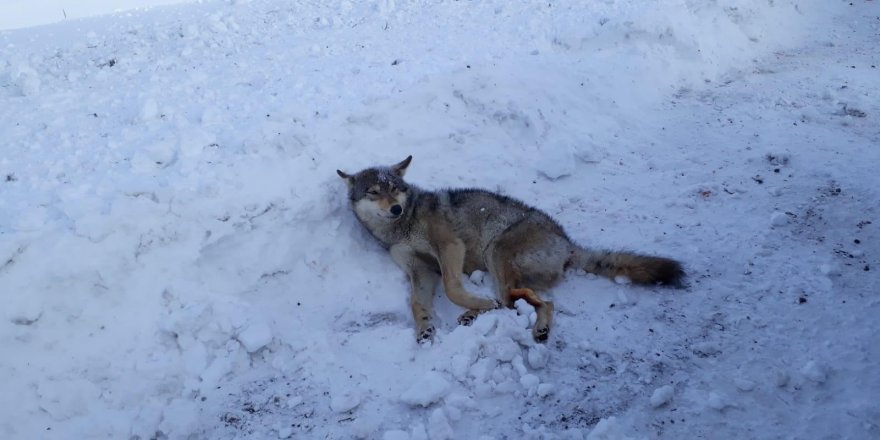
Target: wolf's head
{"x":378,"y":194}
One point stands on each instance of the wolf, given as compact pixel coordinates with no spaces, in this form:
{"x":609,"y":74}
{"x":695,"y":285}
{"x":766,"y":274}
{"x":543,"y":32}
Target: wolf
{"x":438,"y":235}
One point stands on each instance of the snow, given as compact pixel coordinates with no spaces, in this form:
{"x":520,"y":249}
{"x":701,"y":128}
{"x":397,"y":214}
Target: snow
{"x":538,"y":356}
{"x":19,"y":13}
{"x":395,"y":434}
{"x":662,"y":396}
{"x":178,"y":259}
{"x":285,"y":432}
{"x":545,"y":389}
{"x":607,"y":429}
{"x":814,"y":372}
{"x":255,"y":336}
{"x":429,"y":389}
{"x":344,"y":398}
{"x":438,"y":426}
{"x":744,"y":385}
{"x":623,"y":280}
{"x":778,"y":219}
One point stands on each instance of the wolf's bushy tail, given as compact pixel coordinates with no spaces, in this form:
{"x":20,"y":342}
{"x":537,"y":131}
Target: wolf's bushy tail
{"x":640,"y":269}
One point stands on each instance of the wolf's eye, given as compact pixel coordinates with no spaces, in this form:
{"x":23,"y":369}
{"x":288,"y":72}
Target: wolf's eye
{"x":373,"y":192}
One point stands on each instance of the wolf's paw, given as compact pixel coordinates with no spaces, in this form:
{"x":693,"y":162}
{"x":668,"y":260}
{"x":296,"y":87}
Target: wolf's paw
{"x":541,"y":333}
{"x":426,"y":335}
{"x":467,"y":318}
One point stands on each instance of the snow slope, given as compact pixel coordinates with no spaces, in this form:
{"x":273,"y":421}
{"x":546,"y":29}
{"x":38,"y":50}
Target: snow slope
{"x":16,"y":14}
{"x":177,"y":259}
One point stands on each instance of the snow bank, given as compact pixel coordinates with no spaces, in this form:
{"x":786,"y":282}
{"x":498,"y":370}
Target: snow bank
{"x":16,"y":14}
{"x":177,"y":257}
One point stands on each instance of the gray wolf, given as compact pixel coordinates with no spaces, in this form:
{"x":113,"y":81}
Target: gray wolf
{"x":438,"y":235}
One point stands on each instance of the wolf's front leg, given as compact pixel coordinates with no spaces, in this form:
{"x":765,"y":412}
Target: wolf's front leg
{"x":423,"y":280}
{"x":451,"y":255}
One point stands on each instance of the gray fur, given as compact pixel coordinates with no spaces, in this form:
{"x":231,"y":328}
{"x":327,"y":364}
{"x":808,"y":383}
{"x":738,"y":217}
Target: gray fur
{"x":451,"y":231}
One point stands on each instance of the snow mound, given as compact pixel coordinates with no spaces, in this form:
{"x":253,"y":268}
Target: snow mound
{"x":178,"y":258}
{"x":429,"y":389}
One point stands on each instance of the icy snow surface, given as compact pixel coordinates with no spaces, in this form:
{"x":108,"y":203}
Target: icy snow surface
{"x":177,"y":258}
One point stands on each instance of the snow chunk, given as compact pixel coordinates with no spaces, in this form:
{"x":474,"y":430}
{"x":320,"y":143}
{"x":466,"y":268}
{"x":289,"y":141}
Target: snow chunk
{"x":814,"y":372}
{"x":782,"y":379}
{"x":538,"y":356}
{"x":285,"y":432}
{"x":519,"y":366}
{"x":546,"y":389}
{"x":439,"y":427}
{"x":482,"y":369}
{"x":460,"y":363}
{"x":662,"y":396}
{"x":778,"y":219}
{"x":607,"y":429}
{"x":503,"y":349}
{"x":524,"y":308}
{"x":179,"y":416}
{"x":418,"y":432}
{"x":195,"y":357}
{"x":344,"y":400}
{"x":221,"y":366}
{"x":160,"y":154}
{"x":621,"y":279}
{"x":588,"y":152}
{"x":717,"y":401}
{"x":194,"y":141}
{"x":431,"y":388}
{"x":395,"y":434}
{"x":530,"y":383}
{"x":477,"y":277}
{"x":829,"y":269}
{"x":706,"y":348}
{"x":484,"y":324}
{"x":744,"y":385}
{"x":255,"y":336}
{"x":27,"y":79}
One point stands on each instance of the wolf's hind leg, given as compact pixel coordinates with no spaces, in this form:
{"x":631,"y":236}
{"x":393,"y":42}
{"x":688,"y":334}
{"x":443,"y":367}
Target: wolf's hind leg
{"x":529,"y":255}
{"x":544,"y":310}
{"x":451,"y":256}
{"x":423,"y":280}
{"x":507,"y":278}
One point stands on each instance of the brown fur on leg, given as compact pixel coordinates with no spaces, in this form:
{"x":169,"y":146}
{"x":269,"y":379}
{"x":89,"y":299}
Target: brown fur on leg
{"x":526,"y":294}
{"x":451,"y":258}
{"x":544,"y":309}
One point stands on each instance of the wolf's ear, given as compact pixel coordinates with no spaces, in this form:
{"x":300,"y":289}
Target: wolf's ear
{"x":400,"y":168}
{"x":345,"y":176}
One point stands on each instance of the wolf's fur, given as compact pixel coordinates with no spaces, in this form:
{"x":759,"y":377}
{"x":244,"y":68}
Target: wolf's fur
{"x":437,"y":235}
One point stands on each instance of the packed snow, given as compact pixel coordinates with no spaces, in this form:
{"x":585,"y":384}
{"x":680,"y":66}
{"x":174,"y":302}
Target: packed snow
{"x":178,"y":259}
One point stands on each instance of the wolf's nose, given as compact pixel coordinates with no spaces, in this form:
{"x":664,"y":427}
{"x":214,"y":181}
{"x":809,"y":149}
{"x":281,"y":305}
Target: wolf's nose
{"x":396,"y":209}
